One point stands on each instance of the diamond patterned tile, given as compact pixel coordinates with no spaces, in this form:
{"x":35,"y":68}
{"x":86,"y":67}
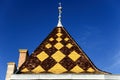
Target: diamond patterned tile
{"x":58,"y":56}
{"x":57,"y":69}
{"x":38,"y":69}
{"x":48,"y":63}
{"x":67,"y":63}
{"x":32,"y":63}
{"x":48,"y":46}
{"x":65,"y":50}
{"x":51,"y":51}
{"x":91,"y":69}
{"x":51,"y":39}
{"x":42,"y":56}
{"x":53,"y":42}
{"x":59,"y":39}
{"x":69,"y":45}
{"x":59,"y":34}
{"x":58,"y":46}
{"x":83,"y":63}
{"x":74,"y":56}
{"x":24,"y":70}
{"x":66,"y":39}
{"x":77,"y":69}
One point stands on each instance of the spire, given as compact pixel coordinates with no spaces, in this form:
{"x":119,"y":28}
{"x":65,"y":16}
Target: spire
{"x":59,"y":17}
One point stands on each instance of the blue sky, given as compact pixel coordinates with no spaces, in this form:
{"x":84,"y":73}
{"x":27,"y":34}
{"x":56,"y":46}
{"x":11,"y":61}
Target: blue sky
{"x":94,"y":24}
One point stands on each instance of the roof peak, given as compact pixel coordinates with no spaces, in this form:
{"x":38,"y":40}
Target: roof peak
{"x":59,"y":17}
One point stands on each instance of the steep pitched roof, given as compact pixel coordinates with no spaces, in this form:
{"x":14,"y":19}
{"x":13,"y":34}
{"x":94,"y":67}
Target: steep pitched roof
{"x":59,"y":53}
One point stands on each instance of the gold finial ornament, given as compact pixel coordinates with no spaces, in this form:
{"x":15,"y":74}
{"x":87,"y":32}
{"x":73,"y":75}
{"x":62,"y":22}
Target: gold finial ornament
{"x":59,"y":17}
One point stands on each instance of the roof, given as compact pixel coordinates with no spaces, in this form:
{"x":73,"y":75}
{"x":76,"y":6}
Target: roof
{"x":57,"y":54}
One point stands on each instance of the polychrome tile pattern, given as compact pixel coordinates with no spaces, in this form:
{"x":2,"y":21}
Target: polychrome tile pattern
{"x":58,"y":53}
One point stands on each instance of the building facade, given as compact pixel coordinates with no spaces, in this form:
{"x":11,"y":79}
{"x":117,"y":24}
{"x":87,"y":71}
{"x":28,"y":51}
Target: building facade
{"x":57,"y":57}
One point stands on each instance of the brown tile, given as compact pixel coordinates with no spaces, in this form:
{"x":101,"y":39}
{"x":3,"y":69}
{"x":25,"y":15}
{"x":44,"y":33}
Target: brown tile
{"x":67,"y":63}
{"x":32,"y":63}
{"x":48,"y":63}
{"x":65,"y":50}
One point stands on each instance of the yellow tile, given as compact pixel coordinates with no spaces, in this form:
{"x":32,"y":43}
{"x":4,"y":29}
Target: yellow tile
{"x":74,"y":55}
{"x":42,"y":56}
{"x":38,"y":69}
{"x":48,"y":46}
{"x":91,"y":70}
{"x":58,"y":46}
{"x":57,"y":69}
{"x":66,"y":39}
{"x":59,"y":30}
{"x":59,"y":34}
{"x":58,"y":56}
{"x":51,"y":39}
{"x":59,"y":39}
{"x":69,"y":45}
{"x":24,"y":70}
{"x":77,"y":69}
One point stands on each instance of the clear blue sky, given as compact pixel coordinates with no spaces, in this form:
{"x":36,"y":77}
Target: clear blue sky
{"x":94,"y":24}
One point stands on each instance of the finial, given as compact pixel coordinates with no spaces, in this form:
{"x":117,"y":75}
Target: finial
{"x":59,"y":17}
